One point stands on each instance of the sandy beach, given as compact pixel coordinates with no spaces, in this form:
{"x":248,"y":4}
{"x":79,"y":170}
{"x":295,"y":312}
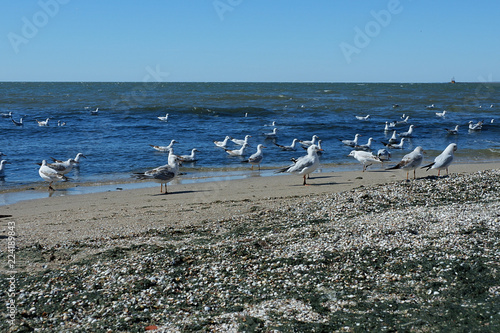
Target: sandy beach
{"x":294,"y":224}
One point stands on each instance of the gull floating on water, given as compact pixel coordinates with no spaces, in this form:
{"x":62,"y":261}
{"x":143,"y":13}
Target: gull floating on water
{"x":7,"y":115}
{"x":288,"y":148}
{"x":164,"y":148}
{"x":363,"y":117}
{"x":443,"y":160}
{"x":256,"y":158}
{"x":430,"y":107}
{"x":94,"y":112}
{"x":475,"y":127}
{"x":407,"y":134}
{"x":365,"y":158}
{"x":163,"y":118}
{"x":351,"y":143}
{"x":387,"y":128}
{"x":61,"y":123}
{"x":384,"y":155}
{"x":311,"y":142}
{"x":395,"y":146}
{"x":410,"y":161}
{"x":452,"y":131}
{"x":222,"y":144}
{"x":271,"y":124}
{"x":241,"y":142}
{"x":190,"y":158}
{"x":2,"y":168}
{"x":18,"y":123}
{"x":305,"y":164}
{"x":237,"y":152}
{"x":441,"y":114}
{"x":43,"y":122}
{"x":162,"y":174}
{"x":393,"y":138}
{"x":49,"y":174}
{"x":271,"y":135}
{"x":366,"y":146}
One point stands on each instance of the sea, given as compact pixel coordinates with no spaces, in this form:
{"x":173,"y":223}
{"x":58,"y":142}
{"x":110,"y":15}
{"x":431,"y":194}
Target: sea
{"x":116,"y":141}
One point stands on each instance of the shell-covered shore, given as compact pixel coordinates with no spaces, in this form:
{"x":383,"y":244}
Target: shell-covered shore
{"x":417,"y":256}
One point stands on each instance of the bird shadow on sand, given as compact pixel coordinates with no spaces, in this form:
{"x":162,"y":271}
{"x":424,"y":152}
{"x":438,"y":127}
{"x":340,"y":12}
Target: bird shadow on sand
{"x":173,"y":192}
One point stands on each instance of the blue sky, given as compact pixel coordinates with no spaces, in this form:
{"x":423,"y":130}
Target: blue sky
{"x":250,"y":40}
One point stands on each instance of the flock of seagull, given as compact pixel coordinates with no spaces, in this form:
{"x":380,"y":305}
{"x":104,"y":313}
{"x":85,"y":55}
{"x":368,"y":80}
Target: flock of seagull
{"x":303,"y":166}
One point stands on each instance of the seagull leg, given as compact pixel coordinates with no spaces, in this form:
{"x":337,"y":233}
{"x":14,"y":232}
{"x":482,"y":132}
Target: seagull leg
{"x":439,"y":171}
{"x":50,"y":187}
{"x":414,"y":174}
{"x":304,"y":180}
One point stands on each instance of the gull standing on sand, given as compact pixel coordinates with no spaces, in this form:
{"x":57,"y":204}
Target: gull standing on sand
{"x":443,"y":160}
{"x":50,"y":175}
{"x":288,"y":148}
{"x":410,"y":161}
{"x":63,"y":167}
{"x":256,"y":158}
{"x":163,"y":118}
{"x":237,"y":152}
{"x":190,"y":158}
{"x":165,"y":148}
{"x":305,"y":164}
{"x":162,"y":174}
{"x":351,"y":143}
{"x":365,"y":158}
{"x":222,"y":144}
{"x":241,"y":142}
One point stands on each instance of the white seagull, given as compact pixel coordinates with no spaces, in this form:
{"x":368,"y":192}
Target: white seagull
{"x":366,"y":146}
{"x":441,"y":114}
{"x":43,"y":122}
{"x":430,"y":107}
{"x":242,"y":142}
{"x":162,"y":174}
{"x":407,"y":134}
{"x":393,"y":138}
{"x":363,"y":117}
{"x":94,"y":112}
{"x":237,"y":152}
{"x":307,"y":143}
{"x":475,"y":127}
{"x":7,"y":115}
{"x":288,"y":148}
{"x":2,"y":168}
{"x":410,"y":161}
{"x":49,"y":174}
{"x":222,"y":144}
{"x":452,"y":131}
{"x":164,"y":148}
{"x":256,"y":158}
{"x":384,"y":155}
{"x":271,"y":135}
{"x":365,"y":158}
{"x":305,"y":164}
{"x":443,"y":160}
{"x":18,"y":123}
{"x":387,"y":128}
{"x":351,"y":143}
{"x":190,"y":158}
{"x":63,"y":167}
{"x":163,"y":118}
{"x":395,"y":146}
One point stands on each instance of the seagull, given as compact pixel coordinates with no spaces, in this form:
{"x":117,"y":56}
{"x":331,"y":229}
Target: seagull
{"x":162,"y":174}
{"x":256,"y":158}
{"x":363,"y":118}
{"x":49,"y":174}
{"x":430,"y":107}
{"x":271,"y":135}
{"x":305,"y":164}
{"x":241,"y":142}
{"x":387,"y":128}
{"x":443,"y":160}
{"x":164,"y":148}
{"x":408,"y":134}
{"x":410,"y":161}
{"x":163,"y":118}
{"x":384,"y":155}
{"x":310,"y":143}
{"x":222,"y":144}
{"x":7,"y":115}
{"x":76,"y":159}
{"x":452,"y":131}
{"x":237,"y":152}
{"x":271,"y":124}
{"x":63,"y":167}
{"x":190,"y":158}
{"x":95,"y":112}
{"x":365,"y":158}
{"x":2,"y":168}
{"x":351,"y":143}
{"x":475,"y":127}
{"x":404,"y":121}
{"x":288,"y":148}
{"x":366,"y":146}
{"x":18,"y":123}
{"x":43,"y":123}
{"x":441,"y":114}
{"x":393,"y":138}
{"x":61,"y":123}
{"x":393,"y":145}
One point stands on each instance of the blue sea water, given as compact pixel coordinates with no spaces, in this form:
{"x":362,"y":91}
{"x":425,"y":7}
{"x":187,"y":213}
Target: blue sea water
{"x":116,"y":141}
